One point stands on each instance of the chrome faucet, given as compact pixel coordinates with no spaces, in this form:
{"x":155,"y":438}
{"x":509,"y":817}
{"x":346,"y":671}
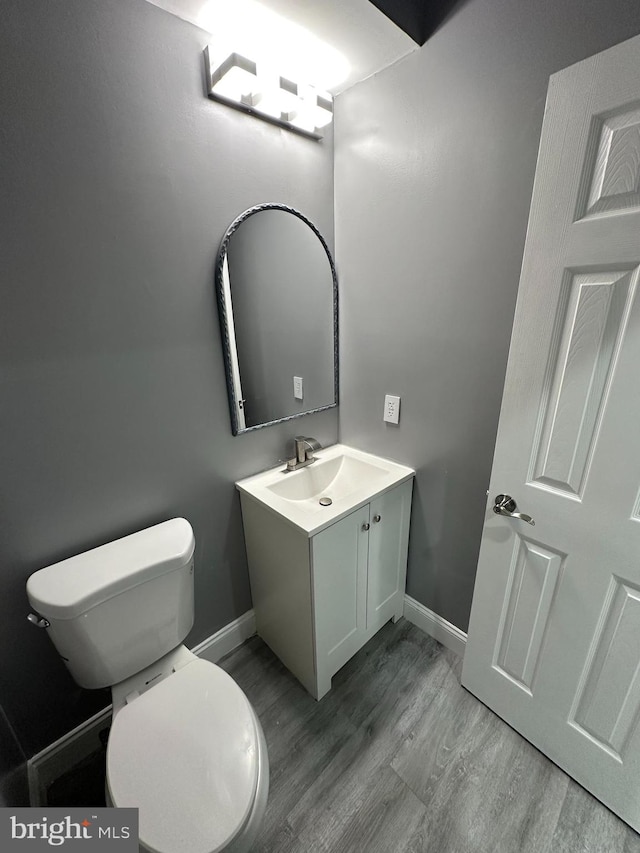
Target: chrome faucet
{"x":304,"y":450}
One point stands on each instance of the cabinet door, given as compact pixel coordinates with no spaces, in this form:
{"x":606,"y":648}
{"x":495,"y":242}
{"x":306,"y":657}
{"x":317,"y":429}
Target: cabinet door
{"x":388,"y":542}
{"x":339,"y":559}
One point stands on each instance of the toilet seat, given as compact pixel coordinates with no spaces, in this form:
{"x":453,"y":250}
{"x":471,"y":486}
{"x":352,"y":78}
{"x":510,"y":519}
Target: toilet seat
{"x":165,"y":770}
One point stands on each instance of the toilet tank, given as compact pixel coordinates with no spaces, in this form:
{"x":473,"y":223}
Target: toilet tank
{"x":116,"y":609}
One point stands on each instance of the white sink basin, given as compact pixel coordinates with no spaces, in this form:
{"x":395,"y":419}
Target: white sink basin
{"x":347,"y":477}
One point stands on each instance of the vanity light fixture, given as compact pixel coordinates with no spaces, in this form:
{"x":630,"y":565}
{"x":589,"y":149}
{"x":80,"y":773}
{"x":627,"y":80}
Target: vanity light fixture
{"x":245,"y":85}
{"x":236,"y":79}
{"x":313,"y":111}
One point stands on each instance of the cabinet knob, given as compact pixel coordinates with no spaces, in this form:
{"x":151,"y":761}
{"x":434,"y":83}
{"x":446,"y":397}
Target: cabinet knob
{"x":365,"y":526}
{"x":377,"y":518}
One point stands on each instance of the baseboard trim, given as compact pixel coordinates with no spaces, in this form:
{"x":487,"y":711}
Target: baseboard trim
{"x":437,"y":627}
{"x":228,"y":638}
{"x":64,"y":754}
{"x":69,"y":750}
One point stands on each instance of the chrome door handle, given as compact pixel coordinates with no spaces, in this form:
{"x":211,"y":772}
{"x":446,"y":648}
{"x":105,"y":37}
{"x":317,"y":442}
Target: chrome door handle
{"x":505,"y":505}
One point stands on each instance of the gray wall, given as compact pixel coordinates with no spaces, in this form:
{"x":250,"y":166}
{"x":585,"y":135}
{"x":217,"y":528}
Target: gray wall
{"x":434,"y":166}
{"x":119,"y":178}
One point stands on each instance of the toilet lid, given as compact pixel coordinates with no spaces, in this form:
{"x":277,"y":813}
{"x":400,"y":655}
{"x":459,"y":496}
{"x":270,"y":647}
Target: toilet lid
{"x":185,"y":753}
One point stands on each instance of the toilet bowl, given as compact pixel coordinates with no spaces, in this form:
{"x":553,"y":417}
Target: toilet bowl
{"x":167,"y":773}
{"x":185,"y":746}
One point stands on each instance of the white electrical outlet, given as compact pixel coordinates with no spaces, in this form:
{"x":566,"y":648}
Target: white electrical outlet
{"x":391,"y":409}
{"x":297,"y":388}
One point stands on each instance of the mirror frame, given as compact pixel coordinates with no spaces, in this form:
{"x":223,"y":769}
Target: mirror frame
{"x":224,"y":311}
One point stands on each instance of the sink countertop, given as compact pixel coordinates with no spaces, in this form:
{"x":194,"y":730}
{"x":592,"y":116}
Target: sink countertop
{"x":350,"y":477}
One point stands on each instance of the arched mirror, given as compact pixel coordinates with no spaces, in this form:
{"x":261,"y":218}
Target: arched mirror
{"x":278,"y":303}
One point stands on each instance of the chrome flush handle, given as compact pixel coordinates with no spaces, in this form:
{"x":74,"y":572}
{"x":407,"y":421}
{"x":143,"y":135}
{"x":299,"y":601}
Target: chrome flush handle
{"x":505,"y":505}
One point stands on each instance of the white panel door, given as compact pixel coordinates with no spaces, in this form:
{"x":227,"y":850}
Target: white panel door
{"x":554,"y":638}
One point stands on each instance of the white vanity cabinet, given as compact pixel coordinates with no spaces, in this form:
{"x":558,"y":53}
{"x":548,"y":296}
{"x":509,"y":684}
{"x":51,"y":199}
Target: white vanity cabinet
{"x":319,"y":596}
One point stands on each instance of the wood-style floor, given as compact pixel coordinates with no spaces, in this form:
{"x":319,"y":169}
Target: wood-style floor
{"x":399,"y":758}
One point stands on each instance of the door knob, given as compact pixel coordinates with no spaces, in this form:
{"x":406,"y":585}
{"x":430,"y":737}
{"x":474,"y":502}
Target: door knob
{"x":505,"y":505}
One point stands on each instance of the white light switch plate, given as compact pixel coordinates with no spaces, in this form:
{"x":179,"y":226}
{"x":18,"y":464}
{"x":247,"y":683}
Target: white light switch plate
{"x":391,"y":409}
{"x":297,"y":388}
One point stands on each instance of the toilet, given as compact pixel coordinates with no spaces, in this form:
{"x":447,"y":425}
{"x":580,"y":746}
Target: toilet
{"x":185,"y":746}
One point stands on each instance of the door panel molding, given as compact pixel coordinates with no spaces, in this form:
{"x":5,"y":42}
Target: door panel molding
{"x":533,"y":579}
